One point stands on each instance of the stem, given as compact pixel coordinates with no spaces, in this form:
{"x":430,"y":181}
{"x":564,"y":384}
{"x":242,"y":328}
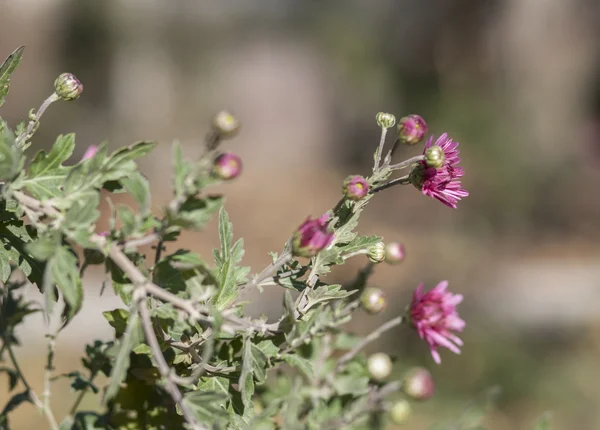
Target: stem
{"x":370,"y":338}
{"x":81,"y":395}
{"x":163,"y":366}
{"x":407,"y":163}
{"x":48,"y":372}
{"x":24,"y":137}
{"x":402,"y":181}
{"x":270,"y":270}
{"x":388,"y":157}
{"x":380,"y":149}
{"x":34,"y":398}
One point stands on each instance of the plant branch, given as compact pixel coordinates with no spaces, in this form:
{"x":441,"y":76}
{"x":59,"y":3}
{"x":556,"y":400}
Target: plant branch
{"x":370,"y":338}
{"x":398,"y":181}
{"x":163,"y":366}
{"x":380,"y":149}
{"x":33,"y":123}
{"x":388,"y":157}
{"x":407,"y":163}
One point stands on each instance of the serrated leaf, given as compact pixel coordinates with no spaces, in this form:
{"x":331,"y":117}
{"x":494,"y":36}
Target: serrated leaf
{"x":11,"y":157}
{"x":83,"y":212}
{"x":128,"y":341}
{"x":254,"y":366}
{"x":15,"y":401}
{"x":195,"y":212}
{"x":46,"y":173}
{"x":120,"y":161}
{"x":360,"y":243}
{"x":6,"y":69}
{"x":137,"y":185}
{"x":326,"y":293}
{"x":217,"y":384}
{"x":208,"y":407}
{"x":301,"y":363}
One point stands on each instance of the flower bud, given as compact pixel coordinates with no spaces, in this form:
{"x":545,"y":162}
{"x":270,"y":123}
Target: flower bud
{"x":385,"y":120}
{"x":418,"y":384}
{"x":394,"y":253}
{"x":311,"y":237}
{"x":400,"y":412}
{"x":373,"y":300}
{"x":227,"y":166}
{"x":68,"y":87}
{"x":435,"y":157}
{"x":417,"y":176}
{"x":90,"y":152}
{"x":225,"y":124}
{"x":376,"y":253}
{"x":355,"y":187}
{"x":379,"y":366}
{"x":412,"y":129}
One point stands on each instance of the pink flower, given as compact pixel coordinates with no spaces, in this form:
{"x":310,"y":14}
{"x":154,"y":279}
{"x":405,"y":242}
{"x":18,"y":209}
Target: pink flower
{"x":355,"y":187}
{"x":90,"y":152}
{"x":412,"y":129}
{"x":311,"y":237}
{"x":442,"y":183}
{"x":433,"y":314}
{"x":227,"y":166}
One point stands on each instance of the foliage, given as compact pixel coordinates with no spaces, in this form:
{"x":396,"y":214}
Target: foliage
{"x":184,"y":354}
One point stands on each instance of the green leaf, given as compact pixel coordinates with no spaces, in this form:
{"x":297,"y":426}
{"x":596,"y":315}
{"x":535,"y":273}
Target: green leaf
{"x":359,"y":243}
{"x":11,"y":157}
{"x":9,"y":66}
{"x":120,"y":163}
{"x":62,"y":271}
{"x":207,"y":406}
{"x":46,"y":173}
{"x":228,"y":275}
{"x":301,"y":363}
{"x":130,"y":339}
{"x":137,"y":185}
{"x":217,"y":384}
{"x":182,"y":169}
{"x":84,"y":211}
{"x":326,"y":293}
{"x":118,"y":319}
{"x":196,"y":212}
{"x":254,"y":366}
{"x":351,"y":384}
{"x":15,"y":401}
{"x":44,"y":247}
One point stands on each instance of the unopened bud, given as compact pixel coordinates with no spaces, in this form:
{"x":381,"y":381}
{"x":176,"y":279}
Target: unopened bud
{"x":385,"y":120}
{"x":68,"y":87}
{"x":412,"y":129}
{"x":227,"y":166}
{"x":90,"y":152}
{"x":355,"y":187}
{"x":400,"y":411}
{"x":394,"y":253}
{"x":225,"y":124}
{"x":418,"y":384}
{"x":379,"y":366}
{"x":376,"y":253}
{"x":373,"y":300}
{"x":435,"y":157}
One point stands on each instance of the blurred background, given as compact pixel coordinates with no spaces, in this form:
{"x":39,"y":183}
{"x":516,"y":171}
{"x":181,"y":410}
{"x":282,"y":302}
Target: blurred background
{"x":516,"y":82}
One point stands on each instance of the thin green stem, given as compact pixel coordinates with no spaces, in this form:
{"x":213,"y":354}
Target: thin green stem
{"x":380,"y":149}
{"x":24,"y":137}
{"x":388,"y":157}
{"x":398,"y":181}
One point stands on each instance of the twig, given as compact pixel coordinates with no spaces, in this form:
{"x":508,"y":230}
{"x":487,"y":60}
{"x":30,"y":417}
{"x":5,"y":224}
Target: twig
{"x":24,"y":137}
{"x":270,"y":270}
{"x":380,"y":149}
{"x":370,"y":338}
{"x":143,"y":241}
{"x":402,"y":181}
{"x":163,"y":366}
{"x":407,"y":163}
{"x":388,"y":157}
{"x":81,"y":395}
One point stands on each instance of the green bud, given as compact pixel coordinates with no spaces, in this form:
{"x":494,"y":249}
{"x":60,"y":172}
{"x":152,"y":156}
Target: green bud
{"x":435,"y":157}
{"x":373,"y":300}
{"x":225,"y":124}
{"x":400,"y":412}
{"x":68,"y":87}
{"x":376,"y":253}
{"x":385,"y":120}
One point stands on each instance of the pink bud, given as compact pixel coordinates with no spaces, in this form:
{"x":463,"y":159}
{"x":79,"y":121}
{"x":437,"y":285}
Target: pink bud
{"x":412,"y":129}
{"x":418,"y":384}
{"x":311,"y":237}
{"x":394,"y":253}
{"x":227,"y":166}
{"x":355,"y":187}
{"x":90,"y":152}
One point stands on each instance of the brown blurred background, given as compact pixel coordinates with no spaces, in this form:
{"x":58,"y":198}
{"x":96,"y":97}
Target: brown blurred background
{"x":516,"y":82}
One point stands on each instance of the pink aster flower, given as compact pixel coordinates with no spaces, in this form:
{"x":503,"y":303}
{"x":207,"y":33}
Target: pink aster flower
{"x":433,"y":314}
{"x":90,"y":152}
{"x":412,"y":129}
{"x":442,"y":183}
{"x":311,"y":237}
{"x":355,"y":187}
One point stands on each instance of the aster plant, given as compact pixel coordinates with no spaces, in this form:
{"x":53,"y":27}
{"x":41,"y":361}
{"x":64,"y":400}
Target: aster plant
{"x":184,"y":352}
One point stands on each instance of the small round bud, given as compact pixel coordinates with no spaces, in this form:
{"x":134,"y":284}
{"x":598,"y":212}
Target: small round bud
{"x":227,"y":166}
{"x":355,"y":187}
{"x":385,"y":120}
{"x":379,"y":366}
{"x":68,"y":87}
{"x":418,"y":384}
{"x":376,"y":253}
{"x":412,"y":129}
{"x":373,"y":300}
{"x":435,"y":157}
{"x":394,"y":253}
{"x":311,"y":237}
{"x":400,"y":412}
{"x":225,"y":124}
